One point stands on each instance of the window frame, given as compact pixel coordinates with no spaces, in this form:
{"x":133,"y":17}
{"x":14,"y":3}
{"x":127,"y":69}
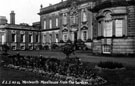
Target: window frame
{"x":45,"y":24}
{"x":122,"y":28}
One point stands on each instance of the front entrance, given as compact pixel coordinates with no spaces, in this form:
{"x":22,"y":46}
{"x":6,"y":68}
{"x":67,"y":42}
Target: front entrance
{"x":106,"y":46}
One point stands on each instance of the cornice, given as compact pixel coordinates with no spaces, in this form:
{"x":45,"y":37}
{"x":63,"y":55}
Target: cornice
{"x":61,"y":5}
{"x":111,"y":3}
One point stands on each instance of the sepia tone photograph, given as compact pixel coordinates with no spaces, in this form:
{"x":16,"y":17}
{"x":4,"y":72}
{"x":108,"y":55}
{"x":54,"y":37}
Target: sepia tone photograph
{"x":67,"y":42}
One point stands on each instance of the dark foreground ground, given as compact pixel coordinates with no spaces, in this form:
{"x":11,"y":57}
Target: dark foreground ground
{"x":124,"y":77}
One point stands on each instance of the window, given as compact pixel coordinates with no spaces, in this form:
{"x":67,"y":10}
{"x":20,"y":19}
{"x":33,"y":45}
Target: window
{"x":107,"y":25}
{"x":44,"y":24}
{"x":57,"y":22}
{"x":64,"y":18}
{"x":50,"y":23}
{"x":22,"y":38}
{"x":57,"y":36}
{"x":118,"y":27}
{"x":44,"y":38}
{"x":65,"y":37}
{"x":2,"y":38}
{"x":73,"y":19}
{"x":50,"y":38}
{"x":13,"y":37}
{"x":37,"y":38}
{"x":30,"y":38}
{"x":84,"y":16}
{"x":108,"y":29}
{"x":99,"y":29}
{"x":84,"y":35}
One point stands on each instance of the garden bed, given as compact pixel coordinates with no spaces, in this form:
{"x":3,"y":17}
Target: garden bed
{"x":57,"y":70}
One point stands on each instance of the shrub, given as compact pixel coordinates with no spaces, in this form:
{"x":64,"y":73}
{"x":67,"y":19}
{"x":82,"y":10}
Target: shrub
{"x":5,"y":48}
{"x":54,"y":46}
{"x":61,"y":41}
{"x":110,"y":65}
{"x":67,"y":49}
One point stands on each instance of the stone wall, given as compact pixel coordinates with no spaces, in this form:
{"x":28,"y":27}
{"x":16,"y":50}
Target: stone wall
{"x":131,"y":20}
{"x":124,"y":46}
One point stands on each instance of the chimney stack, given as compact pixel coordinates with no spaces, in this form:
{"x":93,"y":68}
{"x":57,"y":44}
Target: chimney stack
{"x":12,"y":17}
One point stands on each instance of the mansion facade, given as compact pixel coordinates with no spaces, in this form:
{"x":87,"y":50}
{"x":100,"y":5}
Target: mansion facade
{"x":19,"y":36}
{"x":105,"y":26}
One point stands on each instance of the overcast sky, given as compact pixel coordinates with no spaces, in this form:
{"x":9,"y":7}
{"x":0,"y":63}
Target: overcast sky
{"x":26,"y":10}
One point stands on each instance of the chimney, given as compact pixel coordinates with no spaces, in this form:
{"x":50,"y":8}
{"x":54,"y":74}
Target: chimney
{"x":12,"y":17}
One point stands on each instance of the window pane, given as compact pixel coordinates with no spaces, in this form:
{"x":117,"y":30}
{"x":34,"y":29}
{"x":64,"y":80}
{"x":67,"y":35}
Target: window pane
{"x":44,"y":24}
{"x":118,"y":27}
{"x":65,"y":37}
{"x":57,"y":22}
{"x":107,"y":29}
{"x":23,"y":38}
{"x":50,"y":23}
{"x":85,"y":35}
{"x":84,"y":16}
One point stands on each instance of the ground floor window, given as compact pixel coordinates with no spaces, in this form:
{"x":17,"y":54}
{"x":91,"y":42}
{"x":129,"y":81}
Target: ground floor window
{"x":13,"y":37}
{"x":44,"y":38}
{"x":13,"y":47}
{"x":65,"y":37}
{"x":84,"y":35}
{"x":50,"y":38}
{"x":57,"y":37}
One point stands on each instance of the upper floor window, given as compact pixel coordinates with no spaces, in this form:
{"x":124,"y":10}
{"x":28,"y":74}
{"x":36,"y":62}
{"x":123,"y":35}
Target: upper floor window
{"x":31,"y":38}
{"x":84,"y":15}
{"x":107,"y":25}
{"x":44,"y":24}
{"x":118,"y":27}
{"x":50,"y":23}
{"x":37,"y":38}
{"x":13,"y":37}
{"x":72,"y":19}
{"x":65,"y":18}
{"x":22,"y":37}
{"x":57,"y":22}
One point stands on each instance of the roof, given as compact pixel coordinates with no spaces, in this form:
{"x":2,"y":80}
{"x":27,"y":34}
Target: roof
{"x":61,"y":5}
{"x":18,"y":27}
